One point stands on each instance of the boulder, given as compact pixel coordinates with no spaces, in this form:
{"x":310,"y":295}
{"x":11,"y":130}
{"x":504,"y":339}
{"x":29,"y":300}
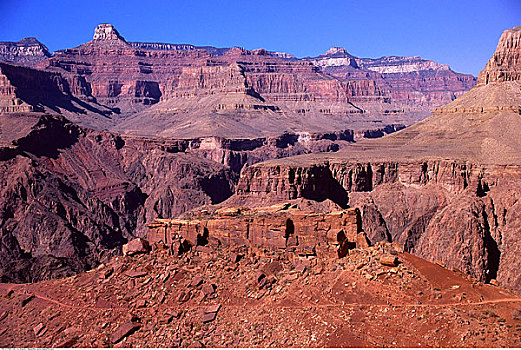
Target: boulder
{"x":389,"y":260}
{"x":124,"y":331}
{"x":136,"y":246}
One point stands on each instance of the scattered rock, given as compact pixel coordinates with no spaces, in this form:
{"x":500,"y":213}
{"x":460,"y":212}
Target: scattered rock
{"x":439,"y":263}
{"x":208,"y":289}
{"x":3,"y":315}
{"x":516,"y":314}
{"x":183,"y":297}
{"x":212,"y":309}
{"x":389,"y":260}
{"x":204,"y":249}
{"x":135,"y":274}
{"x":26,"y":300}
{"x":141,"y":303}
{"x":123,"y":331}
{"x":166,"y":319}
{"x":237,"y":257}
{"x":301,"y":267}
{"x":209,"y":317}
{"x":494,"y":282}
{"x":39,"y":329}
{"x":69,"y":343}
{"x":136,"y":246}
{"x":196,"y":344}
{"x":272,"y":268}
{"x":196,"y":282}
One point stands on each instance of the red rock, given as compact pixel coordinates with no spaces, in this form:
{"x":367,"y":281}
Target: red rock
{"x":165,"y":319}
{"x":135,"y":274}
{"x":209,"y":317}
{"x":212,"y":309}
{"x":272,"y":268}
{"x":196,"y":282}
{"x":204,"y":249}
{"x":39,"y":329}
{"x":208,"y":289}
{"x":136,"y":246}
{"x":196,"y":344}
{"x":3,"y":315}
{"x":141,"y":303}
{"x":184,"y":296}
{"x":389,"y":260}
{"x":69,"y":343}
{"x":236,"y":258}
{"x":123,"y":331}
{"x":439,"y":263}
{"x":26,"y":300}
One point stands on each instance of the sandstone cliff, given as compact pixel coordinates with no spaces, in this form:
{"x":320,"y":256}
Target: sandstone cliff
{"x":411,"y":81}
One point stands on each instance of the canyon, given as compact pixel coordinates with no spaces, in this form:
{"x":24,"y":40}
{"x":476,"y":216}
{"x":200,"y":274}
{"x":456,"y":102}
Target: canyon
{"x":158,"y":194}
{"x":446,"y":188}
{"x":98,"y":140}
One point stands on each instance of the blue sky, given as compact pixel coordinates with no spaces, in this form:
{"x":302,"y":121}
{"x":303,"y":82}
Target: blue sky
{"x":461,"y":33}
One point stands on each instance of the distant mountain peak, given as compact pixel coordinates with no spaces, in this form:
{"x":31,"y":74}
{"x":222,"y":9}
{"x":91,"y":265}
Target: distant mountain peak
{"x":106,"y":31}
{"x":336,"y":50}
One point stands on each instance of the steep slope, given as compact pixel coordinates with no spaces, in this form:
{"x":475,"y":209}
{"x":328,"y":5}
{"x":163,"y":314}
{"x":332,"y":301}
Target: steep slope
{"x":72,"y":196}
{"x":220,"y":296}
{"x":446,"y":188}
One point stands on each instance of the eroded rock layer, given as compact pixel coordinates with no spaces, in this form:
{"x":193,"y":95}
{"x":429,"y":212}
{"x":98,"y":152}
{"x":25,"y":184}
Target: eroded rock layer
{"x":72,"y":196}
{"x":280,"y":228}
{"x":446,"y":188}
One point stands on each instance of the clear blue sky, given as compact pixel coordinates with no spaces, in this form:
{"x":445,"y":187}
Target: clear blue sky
{"x":461,"y":33}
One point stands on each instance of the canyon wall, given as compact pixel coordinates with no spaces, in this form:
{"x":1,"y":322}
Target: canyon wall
{"x":457,"y":212}
{"x":72,"y":196}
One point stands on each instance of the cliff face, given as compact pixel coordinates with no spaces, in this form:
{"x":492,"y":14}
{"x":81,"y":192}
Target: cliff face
{"x":505,"y":64}
{"x":143,"y":80}
{"x":445,"y":189}
{"x":71,"y":197}
{"x":27,"y":52}
{"x":411,"y":81}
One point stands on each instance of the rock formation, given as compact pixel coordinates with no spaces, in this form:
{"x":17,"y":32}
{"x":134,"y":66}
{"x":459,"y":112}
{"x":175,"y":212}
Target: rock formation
{"x":72,"y":196}
{"x":445,"y":189}
{"x":280,"y":228}
{"x":505,"y":64}
{"x":411,"y":81}
{"x":182,"y":122}
{"x":27,"y":52}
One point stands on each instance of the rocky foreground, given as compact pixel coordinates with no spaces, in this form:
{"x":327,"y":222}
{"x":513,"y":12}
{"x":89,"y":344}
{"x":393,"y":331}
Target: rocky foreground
{"x":220,"y":296}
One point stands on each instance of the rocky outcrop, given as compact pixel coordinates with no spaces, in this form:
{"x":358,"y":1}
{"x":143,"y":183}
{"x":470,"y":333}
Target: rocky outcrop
{"x":24,"y":89}
{"x":106,"y":31}
{"x":505,"y":64}
{"x":280,"y":228}
{"x":410,"y":81}
{"x":440,"y":210}
{"x":26,"y":52}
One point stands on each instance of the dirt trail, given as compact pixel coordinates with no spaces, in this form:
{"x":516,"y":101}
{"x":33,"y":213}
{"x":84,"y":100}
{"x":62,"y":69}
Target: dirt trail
{"x":94,"y":308}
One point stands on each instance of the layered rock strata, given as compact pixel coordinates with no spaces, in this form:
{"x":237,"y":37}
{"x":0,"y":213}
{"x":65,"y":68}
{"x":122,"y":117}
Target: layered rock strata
{"x":28,"y":52}
{"x":446,"y":189}
{"x":278,"y":228}
{"x":72,"y":196}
